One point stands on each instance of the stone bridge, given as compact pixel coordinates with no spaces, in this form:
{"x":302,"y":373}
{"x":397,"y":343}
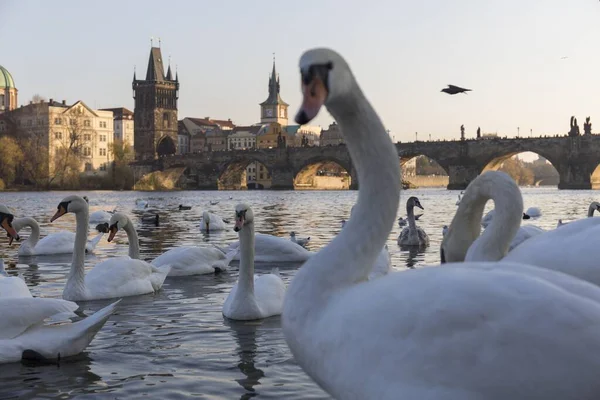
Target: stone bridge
{"x":575,"y":159}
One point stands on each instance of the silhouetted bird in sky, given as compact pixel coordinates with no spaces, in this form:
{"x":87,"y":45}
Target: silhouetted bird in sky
{"x":451,"y":89}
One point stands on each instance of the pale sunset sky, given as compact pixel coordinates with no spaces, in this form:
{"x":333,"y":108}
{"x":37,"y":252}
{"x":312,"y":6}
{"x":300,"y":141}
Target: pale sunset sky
{"x":402,"y":53}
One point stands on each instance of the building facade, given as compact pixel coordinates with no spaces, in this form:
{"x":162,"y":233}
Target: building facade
{"x":155,"y":112}
{"x":8,"y":91}
{"x":331,"y":136}
{"x":77,"y":128}
{"x":123,"y":124}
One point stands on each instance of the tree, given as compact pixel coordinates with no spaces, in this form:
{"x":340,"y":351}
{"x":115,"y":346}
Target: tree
{"x":11,"y":157}
{"x":120,"y":174}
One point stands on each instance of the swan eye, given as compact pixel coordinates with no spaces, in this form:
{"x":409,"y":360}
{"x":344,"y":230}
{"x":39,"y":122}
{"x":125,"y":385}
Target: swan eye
{"x":64,"y":204}
{"x":241,"y":214}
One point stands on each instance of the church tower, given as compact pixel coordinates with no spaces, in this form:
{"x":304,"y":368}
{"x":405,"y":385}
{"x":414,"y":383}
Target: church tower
{"x":274,"y":109}
{"x":155,"y":112}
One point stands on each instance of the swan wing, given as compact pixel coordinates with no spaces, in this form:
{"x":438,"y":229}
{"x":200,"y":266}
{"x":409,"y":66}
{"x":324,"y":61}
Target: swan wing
{"x":190,"y":260}
{"x":20,"y":313}
{"x":13,"y":287}
{"x":124,"y":276}
{"x":383,"y":264}
{"x":269,"y":292}
{"x":572,"y":249}
{"x":484,"y":319}
{"x":269,"y":248}
{"x":61,"y":242}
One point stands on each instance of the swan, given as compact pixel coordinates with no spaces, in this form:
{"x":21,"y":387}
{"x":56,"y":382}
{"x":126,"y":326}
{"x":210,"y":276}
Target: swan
{"x":141,"y":204}
{"x":214,"y":202}
{"x":101,"y":216}
{"x":114,"y":277}
{"x":301,"y":241}
{"x":460,"y":331}
{"x":459,"y":197}
{"x":594,"y":206}
{"x":444,"y":230}
{"x":534,"y":212}
{"x":61,"y":242}
{"x":272,"y":249}
{"x":12,"y":286}
{"x":487,"y":219}
{"x":184,"y":261}
{"x":413,"y":235}
{"x":252,"y":297}
{"x":211,"y":222}
{"x":6,"y":220}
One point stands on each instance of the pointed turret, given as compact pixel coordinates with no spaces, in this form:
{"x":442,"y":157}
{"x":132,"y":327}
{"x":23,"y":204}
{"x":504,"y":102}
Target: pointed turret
{"x":274,"y":88}
{"x":156,"y":70}
{"x":169,"y":76}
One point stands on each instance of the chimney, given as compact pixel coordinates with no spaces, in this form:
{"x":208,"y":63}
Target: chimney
{"x":51,"y":101}
{"x":207,"y":118}
{"x":30,"y":102}
{"x":64,"y":102}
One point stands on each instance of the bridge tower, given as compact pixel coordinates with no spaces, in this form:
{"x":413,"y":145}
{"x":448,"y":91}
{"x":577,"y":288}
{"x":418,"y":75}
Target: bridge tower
{"x":274,"y":109}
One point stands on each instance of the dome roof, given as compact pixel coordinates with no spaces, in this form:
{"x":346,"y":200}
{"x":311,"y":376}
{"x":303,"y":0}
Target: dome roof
{"x":6,"y":79}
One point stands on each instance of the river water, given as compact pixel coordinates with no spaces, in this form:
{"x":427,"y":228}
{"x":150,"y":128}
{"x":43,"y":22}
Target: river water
{"x":176,"y":343}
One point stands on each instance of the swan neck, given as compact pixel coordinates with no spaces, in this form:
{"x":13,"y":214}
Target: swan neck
{"x":75,"y":282}
{"x":591,"y":209}
{"x":410,"y":213}
{"x":493,"y":244}
{"x":132,"y":237}
{"x":351,"y":255}
{"x":246,"y":277}
{"x":20,"y":223}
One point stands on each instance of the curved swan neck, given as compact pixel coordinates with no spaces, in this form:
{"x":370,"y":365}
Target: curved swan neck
{"x":493,"y":244}
{"x":75,"y":285}
{"x":134,"y":241}
{"x":349,"y":257}
{"x":20,"y":223}
{"x":246,"y":277}
{"x":593,"y":206}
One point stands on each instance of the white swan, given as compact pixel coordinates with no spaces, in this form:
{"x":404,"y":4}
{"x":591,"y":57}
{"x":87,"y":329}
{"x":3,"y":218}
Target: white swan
{"x":594,"y":206}
{"x":61,"y":242}
{"x":459,"y":331}
{"x":459,"y":197}
{"x":252,"y":297}
{"x":272,"y":249}
{"x":534,"y":212}
{"x":12,"y":286}
{"x":114,"y":277}
{"x":413,"y":235}
{"x":141,"y":204}
{"x":100,"y":216}
{"x":211,"y":222}
{"x":184,"y":261}
{"x":301,"y":241}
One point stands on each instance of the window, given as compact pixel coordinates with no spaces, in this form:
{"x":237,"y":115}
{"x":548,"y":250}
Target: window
{"x":86,"y":122}
{"x":87,"y":136}
{"x":57,"y":135}
{"x":103,"y":166}
{"x":261,"y":175}
{"x":72,"y":121}
{"x":87,"y":151}
{"x":57,"y":121}
{"x":88,"y":166}
{"x":102,"y":152}
{"x":103,"y":138}
{"x":102,"y":124}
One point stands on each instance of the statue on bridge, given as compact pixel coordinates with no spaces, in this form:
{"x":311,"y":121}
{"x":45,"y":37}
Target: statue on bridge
{"x":462,"y":132}
{"x":587,"y":127}
{"x":280,"y":141}
{"x":574,"y":127}
{"x":478,"y":132}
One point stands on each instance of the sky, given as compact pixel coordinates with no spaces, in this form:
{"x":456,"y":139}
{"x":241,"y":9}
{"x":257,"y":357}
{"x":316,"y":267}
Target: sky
{"x":509,"y":52}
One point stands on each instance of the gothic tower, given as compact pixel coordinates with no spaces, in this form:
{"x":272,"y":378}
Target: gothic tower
{"x":155,"y":112}
{"x":274,"y":109}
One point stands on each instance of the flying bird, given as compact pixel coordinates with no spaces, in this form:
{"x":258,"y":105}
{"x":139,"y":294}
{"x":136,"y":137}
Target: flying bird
{"x":451,"y":89}
{"x":564,"y":57}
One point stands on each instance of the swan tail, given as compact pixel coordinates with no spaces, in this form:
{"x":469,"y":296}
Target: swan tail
{"x":159,"y":275}
{"x":78,"y":335}
{"x":223,"y":250}
{"x":94,"y":242}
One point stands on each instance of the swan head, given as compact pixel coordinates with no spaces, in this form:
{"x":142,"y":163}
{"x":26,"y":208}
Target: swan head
{"x":243,"y":216}
{"x":70,"y":204}
{"x":325,"y":77}
{"x":117,"y":221}
{"x":6,"y":219}
{"x":293,"y":234}
{"x":414,"y":202}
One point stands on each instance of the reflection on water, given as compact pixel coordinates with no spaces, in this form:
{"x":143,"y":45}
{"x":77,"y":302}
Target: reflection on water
{"x":176,"y":343}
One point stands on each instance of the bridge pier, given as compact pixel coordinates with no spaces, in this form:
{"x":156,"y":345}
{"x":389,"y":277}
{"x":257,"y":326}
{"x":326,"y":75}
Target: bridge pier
{"x":207,"y":179}
{"x":282,"y":178}
{"x":459,"y":176}
{"x":574,"y":176}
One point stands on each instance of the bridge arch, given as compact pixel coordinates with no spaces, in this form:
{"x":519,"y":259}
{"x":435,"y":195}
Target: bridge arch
{"x":420,"y":169}
{"x":166,"y":146}
{"x":249,"y":171}
{"x":540,"y":172}
{"x":323,"y":172}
